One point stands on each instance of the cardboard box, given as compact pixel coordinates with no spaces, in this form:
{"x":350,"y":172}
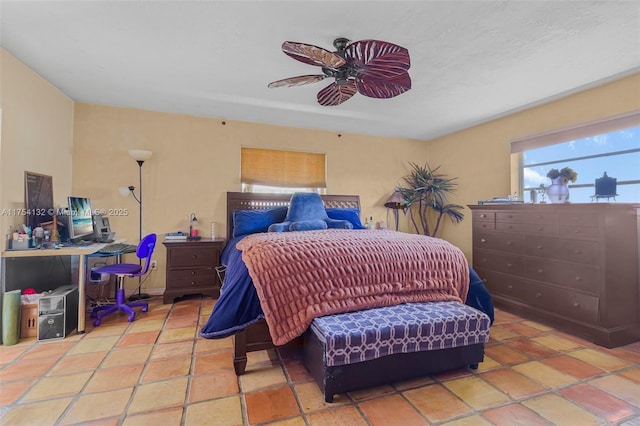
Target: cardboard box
{"x":29,"y":320}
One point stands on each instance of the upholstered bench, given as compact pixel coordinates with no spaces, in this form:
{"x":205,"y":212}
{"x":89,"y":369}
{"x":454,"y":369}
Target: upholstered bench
{"x":350,"y":351}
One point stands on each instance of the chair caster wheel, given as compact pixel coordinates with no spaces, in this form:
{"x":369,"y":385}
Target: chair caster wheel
{"x":145,"y":308}
{"x":131,"y":318}
{"x":96,"y":323}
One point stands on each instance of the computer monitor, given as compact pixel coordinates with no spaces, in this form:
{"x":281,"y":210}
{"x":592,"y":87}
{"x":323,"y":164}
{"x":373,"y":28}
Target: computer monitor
{"x":80,"y":219}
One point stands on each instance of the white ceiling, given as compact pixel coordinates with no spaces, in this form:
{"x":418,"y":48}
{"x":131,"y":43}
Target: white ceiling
{"x":471,"y":61}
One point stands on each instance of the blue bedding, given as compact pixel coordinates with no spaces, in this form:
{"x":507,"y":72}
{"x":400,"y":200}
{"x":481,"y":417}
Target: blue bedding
{"x":239,"y":306}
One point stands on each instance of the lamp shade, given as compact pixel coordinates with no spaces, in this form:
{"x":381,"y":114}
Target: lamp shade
{"x":124,"y":190}
{"x":140,"y":154}
{"x":395,"y":201}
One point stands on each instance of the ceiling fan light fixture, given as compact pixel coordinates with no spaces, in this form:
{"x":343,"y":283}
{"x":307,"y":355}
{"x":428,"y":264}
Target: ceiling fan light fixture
{"x":373,"y":68}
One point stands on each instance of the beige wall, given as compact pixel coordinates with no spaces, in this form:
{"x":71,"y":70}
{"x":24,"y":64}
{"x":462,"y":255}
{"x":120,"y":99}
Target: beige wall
{"x":480,"y":156}
{"x":37,"y":135}
{"x":196,"y":161}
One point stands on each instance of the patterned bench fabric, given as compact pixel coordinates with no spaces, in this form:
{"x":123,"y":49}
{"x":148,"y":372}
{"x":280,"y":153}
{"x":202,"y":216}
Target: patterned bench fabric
{"x":411,"y":327}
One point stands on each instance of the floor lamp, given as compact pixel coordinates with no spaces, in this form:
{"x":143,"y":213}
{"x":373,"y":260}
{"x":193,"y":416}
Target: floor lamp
{"x":395,"y":202}
{"x":140,"y":156}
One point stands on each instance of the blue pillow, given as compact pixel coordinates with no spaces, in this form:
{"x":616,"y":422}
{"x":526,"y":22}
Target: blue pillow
{"x":247,"y":222}
{"x":350,"y":214}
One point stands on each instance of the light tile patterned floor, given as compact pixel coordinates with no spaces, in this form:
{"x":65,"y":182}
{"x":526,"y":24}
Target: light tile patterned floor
{"x":156,"y":371}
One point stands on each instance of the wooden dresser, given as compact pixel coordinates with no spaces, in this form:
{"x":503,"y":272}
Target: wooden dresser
{"x":191,"y":267}
{"x":572,"y":266}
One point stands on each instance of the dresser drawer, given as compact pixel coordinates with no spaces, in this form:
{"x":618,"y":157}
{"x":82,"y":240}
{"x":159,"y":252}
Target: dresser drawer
{"x":484,"y":225}
{"x":573,"y":305}
{"x":579,"y":231}
{"x":504,"y":285}
{"x":498,"y":241}
{"x":499,"y":262}
{"x":582,"y":219}
{"x":581,"y":277}
{"x":194,"y":256}
{"x":484,"y":216}
{"x":585,"y":252}
{"x":524,"y":227}
{"x":521,"y":217}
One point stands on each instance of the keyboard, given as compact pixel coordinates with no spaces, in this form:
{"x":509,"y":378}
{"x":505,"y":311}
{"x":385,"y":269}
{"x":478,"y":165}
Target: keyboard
{"x":118,"y":248}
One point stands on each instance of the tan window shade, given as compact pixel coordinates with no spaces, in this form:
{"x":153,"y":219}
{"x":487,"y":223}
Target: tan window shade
{"x":289,"y":169}
{"x":606,"y":125}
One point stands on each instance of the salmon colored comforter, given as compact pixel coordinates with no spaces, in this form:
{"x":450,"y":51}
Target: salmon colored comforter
{"x":303,"y":275}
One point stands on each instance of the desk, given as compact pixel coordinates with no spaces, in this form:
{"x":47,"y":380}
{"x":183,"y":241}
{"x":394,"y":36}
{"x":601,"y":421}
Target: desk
{"x":81,"y":251}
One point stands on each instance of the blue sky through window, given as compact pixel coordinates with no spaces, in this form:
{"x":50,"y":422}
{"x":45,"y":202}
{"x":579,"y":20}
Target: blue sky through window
{"x":624,"y":166}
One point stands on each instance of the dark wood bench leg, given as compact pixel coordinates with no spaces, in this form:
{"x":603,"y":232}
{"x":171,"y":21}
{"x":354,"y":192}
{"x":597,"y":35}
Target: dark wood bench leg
{"x":328,"y":398}
{"x":240,"y":352}
{"x":473,"y":366}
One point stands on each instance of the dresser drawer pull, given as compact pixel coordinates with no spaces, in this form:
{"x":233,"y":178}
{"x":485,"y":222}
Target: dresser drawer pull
{"x":540,"y":271}
{"x":484,"y":261}
{"x":193,"y":283}
{"x":193,"y":272}
{"x":510,"y":227}
{"x":483,"y":240}
{"x":483,"y":215}
{"x":509,"y":243}
{"x":194,"y":257}
{"x":538,"y":295}
{"x":578,"y":252}
{"x":578,"y":278}
{"x":509,"y":265}
{"x":540,"y":228}
{"x":576,"y":305}
{"x":510,"y":287}
{"x":540,"y":247}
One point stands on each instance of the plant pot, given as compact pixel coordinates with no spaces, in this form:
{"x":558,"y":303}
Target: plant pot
{"x":558,"y":192}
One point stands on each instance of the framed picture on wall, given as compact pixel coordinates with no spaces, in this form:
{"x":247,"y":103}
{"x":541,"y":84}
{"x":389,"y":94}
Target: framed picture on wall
{"x":38,"y":198}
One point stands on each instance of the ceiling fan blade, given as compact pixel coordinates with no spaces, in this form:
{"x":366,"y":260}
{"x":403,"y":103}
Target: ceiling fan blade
{"x":385,"y":88}
{"x":378,"y":59}
{"x":297,"y":81}
{"x":313,"y":55}
{"x":335,"y":94}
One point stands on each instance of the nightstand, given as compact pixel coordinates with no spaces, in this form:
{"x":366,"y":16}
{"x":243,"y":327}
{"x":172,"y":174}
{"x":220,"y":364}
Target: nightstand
{"x":191,"y":267}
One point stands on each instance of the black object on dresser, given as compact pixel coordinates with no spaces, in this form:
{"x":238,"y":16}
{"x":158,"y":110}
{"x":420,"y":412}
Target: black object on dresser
{"x":573,"y":266}
{"x":191,"y":267}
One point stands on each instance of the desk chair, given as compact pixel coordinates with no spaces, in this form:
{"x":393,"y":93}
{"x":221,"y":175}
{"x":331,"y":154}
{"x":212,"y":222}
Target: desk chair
{"x":122,"y":270}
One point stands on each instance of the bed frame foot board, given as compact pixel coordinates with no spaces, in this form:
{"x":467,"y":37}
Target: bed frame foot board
{"x":256,"y":337}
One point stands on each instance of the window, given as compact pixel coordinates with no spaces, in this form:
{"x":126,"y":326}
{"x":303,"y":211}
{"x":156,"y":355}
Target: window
{"x":268,"y":170}
{"x":611,"y":146}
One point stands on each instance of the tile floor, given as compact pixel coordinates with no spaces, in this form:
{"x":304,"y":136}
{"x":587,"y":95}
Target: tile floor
{"x":155,"y":371}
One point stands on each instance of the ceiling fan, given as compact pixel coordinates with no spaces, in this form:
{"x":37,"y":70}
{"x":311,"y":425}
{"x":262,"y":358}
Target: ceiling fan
{"x":373,"y":68}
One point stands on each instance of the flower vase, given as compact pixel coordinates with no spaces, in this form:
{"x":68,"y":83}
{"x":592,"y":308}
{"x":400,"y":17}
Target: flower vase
{"x":558,"y":191}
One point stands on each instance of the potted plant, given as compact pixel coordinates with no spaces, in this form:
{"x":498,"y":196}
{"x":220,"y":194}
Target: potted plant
{"x":425,"y":194}
{"x":566,"y":173}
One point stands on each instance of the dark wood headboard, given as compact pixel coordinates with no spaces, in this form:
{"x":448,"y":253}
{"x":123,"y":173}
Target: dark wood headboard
{"x":256,"y":201}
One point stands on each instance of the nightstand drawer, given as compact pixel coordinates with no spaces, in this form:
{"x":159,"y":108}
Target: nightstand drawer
{"x":188,"y":274}
{"x":194,"y":256}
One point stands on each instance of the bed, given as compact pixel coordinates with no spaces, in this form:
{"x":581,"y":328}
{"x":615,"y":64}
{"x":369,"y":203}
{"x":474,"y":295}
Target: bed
{"x":238,"y":311}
